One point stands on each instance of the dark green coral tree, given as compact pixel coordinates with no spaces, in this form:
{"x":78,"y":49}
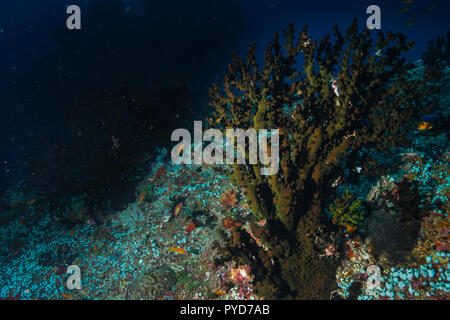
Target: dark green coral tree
{"x":321,"y":133}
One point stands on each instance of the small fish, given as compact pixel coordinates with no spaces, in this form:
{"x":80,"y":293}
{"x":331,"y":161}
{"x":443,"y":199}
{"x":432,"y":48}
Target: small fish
{"x":424,"y":126}
{"x":403,"y":10}
{"x":378,"y":53}
{"x":408,"y":1}
{"x":177,"y":250}
{"x":219,"y":292}
{"x":142,"y":196}
{"x":178,"y":209}
{"x":67,"y":296}
{"x":299,"y":92}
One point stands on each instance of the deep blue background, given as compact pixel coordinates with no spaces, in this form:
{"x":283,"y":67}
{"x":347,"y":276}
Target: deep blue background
{"x":28,"y":28}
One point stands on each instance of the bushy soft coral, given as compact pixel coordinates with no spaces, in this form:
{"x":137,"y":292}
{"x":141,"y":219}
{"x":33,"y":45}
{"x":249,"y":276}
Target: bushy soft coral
{"x":347,"y":212}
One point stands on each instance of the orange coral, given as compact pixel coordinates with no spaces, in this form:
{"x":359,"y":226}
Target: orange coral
{"x":228,"y":199}
{"x":230,"y":224}
{"x":190,"y":227}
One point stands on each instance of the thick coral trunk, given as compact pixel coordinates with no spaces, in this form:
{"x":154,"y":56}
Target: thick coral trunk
{"x":291,"y":267}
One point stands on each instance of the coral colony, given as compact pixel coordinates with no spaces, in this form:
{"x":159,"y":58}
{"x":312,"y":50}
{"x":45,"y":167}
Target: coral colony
{"x":322,"y":172}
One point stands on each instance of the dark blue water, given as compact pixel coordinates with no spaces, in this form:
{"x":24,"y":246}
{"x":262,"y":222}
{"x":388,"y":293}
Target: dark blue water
{"x":43,"y":66}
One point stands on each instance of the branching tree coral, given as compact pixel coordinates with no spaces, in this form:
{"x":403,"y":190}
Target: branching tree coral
{"x":353,"y":96}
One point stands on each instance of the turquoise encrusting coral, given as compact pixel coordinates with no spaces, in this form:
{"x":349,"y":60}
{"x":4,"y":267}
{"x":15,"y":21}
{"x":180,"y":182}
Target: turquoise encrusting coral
{"x":127,"y":255}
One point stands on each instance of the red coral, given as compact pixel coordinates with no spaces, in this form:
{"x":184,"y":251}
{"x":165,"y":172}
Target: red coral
{"x":190,"y":227}
{"x":160,"y":172}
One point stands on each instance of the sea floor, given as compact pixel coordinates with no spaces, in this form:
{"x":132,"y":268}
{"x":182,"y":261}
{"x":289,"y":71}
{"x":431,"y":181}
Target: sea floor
{"x":170,"y":239}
